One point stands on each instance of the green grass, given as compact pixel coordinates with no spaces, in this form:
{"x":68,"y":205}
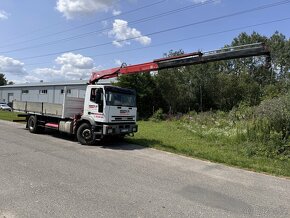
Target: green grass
{"x":172,"y":136}
{"x":9,"y":116}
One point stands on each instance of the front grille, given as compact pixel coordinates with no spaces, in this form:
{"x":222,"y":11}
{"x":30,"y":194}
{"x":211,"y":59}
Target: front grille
{"x":122,"y":118}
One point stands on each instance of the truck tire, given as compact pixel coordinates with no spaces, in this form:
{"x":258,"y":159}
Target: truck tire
{"x":85,"y":135}
{"x":32,"y":124}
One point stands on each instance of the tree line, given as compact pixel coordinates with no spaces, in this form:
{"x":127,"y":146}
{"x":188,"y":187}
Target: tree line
{"x":215,"y":86}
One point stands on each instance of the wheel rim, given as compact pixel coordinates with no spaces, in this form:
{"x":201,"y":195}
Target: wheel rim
{"x":31,"y":124}
{"x":87,"y":134}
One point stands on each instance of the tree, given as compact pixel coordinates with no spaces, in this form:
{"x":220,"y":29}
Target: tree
{"x":176,"y":86}
{"x":278,"y":76}
{"x":280,"y":48}
{"x":3,"y":80}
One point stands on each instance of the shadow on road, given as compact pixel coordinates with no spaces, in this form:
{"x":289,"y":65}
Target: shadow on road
{"x":107,"y":143}
{"x":59,"y":135}
{"x":112,"y":143}
{"x":120,"y":145}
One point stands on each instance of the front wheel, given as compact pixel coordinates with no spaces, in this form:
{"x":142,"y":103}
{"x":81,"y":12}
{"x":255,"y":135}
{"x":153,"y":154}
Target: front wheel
{"x":85,"y":134}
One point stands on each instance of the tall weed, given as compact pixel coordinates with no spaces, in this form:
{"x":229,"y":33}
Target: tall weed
{"x":261,"y":130}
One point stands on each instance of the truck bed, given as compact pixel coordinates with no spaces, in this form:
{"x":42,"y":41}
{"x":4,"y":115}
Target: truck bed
{"x":68,"y":109}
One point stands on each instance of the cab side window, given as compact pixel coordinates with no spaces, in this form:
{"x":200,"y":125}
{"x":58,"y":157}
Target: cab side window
{"x":93,"y":95}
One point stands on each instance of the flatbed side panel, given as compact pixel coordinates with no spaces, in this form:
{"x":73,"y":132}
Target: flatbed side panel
{"x":19,"y":105}
{"x":52,"y":109}
{"x":73,"y":106}
{"x":41,"y":108}
{"x":34,"y":107}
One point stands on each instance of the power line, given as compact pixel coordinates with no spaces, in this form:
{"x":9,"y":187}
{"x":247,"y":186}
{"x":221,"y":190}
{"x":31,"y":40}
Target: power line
{"x":40,"y":29}
{"x":141,"y":20}
{"x":165,"y":30}
{"x":86,"y":24}
{"x":181,"y":40}
{"x":196,"y":37}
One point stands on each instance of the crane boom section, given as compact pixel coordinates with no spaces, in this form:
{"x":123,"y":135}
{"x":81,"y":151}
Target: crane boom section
{"x":212,"y":57}
{"x":258,"y":49}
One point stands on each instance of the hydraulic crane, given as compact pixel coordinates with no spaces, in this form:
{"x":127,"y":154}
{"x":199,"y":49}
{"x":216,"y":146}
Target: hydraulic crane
{"x":249,"y":50}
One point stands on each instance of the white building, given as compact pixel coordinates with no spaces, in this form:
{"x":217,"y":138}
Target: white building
{"x":45,"y":92}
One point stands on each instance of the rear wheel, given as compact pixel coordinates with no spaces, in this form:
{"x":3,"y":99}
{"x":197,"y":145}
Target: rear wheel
{"x":85,"y":134}
{"x":32,"y":125}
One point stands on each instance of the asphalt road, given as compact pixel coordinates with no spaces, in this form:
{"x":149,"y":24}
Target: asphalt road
{"x":50,"y":176}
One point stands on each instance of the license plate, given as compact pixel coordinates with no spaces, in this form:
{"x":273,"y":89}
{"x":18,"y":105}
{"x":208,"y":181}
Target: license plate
{"x":124,"y":130}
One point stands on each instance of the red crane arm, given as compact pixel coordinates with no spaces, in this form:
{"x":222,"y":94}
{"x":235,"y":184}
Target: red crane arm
{"x":137,"y":68}
{"x":114,"y":72}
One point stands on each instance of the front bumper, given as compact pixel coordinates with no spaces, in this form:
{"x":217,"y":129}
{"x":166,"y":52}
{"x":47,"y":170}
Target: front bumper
{"x":120,"y":129}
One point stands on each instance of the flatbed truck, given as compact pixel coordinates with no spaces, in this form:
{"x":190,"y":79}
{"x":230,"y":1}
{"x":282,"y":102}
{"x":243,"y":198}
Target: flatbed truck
{"x":108,"y":110}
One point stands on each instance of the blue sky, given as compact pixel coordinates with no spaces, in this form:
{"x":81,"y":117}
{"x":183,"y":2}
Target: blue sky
{"x":37,"y":36}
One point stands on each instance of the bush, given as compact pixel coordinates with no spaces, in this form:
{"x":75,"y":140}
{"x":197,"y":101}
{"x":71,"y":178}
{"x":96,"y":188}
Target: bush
{"x":275,"y":114}
{"x":158,"y":115}
{"x":270,"y":126}
{"x":257,"y":131}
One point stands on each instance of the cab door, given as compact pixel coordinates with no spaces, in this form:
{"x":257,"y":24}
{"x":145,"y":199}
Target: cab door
{"x":96,"y":104}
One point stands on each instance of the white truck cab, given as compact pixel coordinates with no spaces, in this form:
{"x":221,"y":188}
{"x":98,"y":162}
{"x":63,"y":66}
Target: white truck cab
{"x":109,"y":110}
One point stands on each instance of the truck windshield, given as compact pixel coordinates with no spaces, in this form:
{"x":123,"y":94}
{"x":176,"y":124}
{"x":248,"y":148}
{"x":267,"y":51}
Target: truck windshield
{"x":120,"y":99}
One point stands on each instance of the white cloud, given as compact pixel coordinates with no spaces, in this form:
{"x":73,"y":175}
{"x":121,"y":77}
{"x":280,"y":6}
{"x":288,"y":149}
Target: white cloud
{"x":11,"y":66}
{"x":47,"y":72}
{"x":118,"y":62}
{"x":30,"y":78}
{"x":121,"y":31}
{"x":73,"y":8}
{"x":71,"y":67}
{"x":3,"y":15}
{"x":75,"y":60}
{"x":116,"y":12}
